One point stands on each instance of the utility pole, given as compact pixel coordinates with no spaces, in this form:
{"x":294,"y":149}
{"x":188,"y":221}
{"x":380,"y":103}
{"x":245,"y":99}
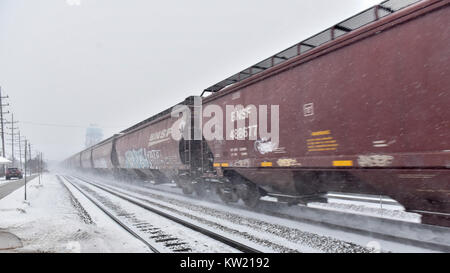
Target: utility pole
{"x":40,"y":165}
{"x":21,"y":144}
{"x":29,"y":147}
{"x":2,"y":125}
{"x":25,"y":171}
{"x":20,"y":152}
{"x":24,"y":141}
{"x":12,"y":136}
{"x":1,"y":119}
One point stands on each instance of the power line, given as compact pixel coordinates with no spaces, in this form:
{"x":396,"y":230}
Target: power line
{"x":16,"y":140}
{"x":2,"y":120}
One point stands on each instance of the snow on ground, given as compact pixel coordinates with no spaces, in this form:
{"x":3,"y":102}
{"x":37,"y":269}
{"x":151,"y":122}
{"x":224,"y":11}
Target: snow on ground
{"x":4,"y":181}
{"x":365,"y":209}
{"x":49,"y":222}
{"x":197,"y":207}
{"x":386,"y":211}
{"x":187,"y":238}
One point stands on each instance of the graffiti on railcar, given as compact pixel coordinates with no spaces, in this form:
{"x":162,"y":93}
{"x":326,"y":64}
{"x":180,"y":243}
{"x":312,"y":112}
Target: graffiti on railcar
{"x":375,"y":160}
{"x":136,"y":159}
{"x":148,"y":159}
{"x":264,"y":146}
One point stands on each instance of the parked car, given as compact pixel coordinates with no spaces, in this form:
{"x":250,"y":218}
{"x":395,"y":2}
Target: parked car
{"x":13,"y":172}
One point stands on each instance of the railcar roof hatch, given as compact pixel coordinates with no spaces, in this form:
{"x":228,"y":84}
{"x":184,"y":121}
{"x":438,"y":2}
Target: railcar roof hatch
{"x":361,"y":19}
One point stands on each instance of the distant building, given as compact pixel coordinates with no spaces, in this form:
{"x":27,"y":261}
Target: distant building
{"x":94,"y":135}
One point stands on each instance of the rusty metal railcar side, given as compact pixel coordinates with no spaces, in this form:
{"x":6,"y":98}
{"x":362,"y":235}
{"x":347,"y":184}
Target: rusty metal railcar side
{"x":363,"y":108}
{"x":149,"y":148}
{"x":101,"y":155}
{"x":86,"y":159}
{"x":368,"y":112}
{"x":72,"y":162}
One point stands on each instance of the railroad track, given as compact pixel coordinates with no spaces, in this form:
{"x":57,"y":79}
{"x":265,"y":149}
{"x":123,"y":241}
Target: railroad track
{"x":157,"y":239}
{"x":111,"y":215}
{"x":266,"y":236}
{"x":407,"y":233}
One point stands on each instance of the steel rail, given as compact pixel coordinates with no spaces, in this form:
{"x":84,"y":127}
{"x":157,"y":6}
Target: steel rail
{"x":226,"y":240}
{"x":410,"y":233}
{"x":114,"y":218}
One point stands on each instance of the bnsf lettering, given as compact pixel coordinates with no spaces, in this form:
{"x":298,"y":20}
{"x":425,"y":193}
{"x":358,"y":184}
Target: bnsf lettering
{"x":161,"y":134}
{"x":241,"y":114}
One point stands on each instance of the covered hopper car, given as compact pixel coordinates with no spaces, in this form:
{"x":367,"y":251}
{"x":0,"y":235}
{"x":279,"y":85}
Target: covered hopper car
{"x":362,"y":107}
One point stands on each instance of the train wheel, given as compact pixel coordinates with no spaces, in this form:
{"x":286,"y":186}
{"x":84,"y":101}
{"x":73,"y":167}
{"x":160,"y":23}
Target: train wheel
{"x":186,"y":185}
{"x":250,"y":196}
{"x":187,"y":190}
{"x":227,"y":194}
{"x":199,"y":188}
{"x":252,"y":199}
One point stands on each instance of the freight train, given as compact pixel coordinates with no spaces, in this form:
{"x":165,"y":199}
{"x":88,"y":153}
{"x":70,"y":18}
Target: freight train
{"x":362,"y":107}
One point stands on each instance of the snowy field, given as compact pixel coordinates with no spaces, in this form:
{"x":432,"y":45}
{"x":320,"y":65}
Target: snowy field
{"x":49,"y":222}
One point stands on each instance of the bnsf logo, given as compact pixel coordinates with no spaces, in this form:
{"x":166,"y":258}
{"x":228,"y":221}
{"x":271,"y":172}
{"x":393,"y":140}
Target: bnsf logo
{"x":159,"y":136}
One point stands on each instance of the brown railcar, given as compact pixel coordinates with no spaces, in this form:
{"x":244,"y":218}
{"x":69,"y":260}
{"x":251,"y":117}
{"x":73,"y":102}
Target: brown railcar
{"x":86,"y":159}
{"x":150,"y":150}
{"x":368,"y":112}
{"x":101,"y":155}
{"x":364,"y":108}
{"x":72,"y":162}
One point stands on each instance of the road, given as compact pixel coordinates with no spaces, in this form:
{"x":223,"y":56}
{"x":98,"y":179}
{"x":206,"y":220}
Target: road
{"x":8,"y":187}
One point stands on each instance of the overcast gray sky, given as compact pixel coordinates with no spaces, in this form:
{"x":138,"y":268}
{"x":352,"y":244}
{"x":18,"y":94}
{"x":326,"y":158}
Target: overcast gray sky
{"x":117,"y":62}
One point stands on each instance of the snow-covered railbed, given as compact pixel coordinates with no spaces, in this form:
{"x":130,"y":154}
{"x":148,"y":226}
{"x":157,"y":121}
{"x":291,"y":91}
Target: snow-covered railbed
{"x":395,"y":230}
{"x":258,"y":228}
{"x":161,"y":234}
